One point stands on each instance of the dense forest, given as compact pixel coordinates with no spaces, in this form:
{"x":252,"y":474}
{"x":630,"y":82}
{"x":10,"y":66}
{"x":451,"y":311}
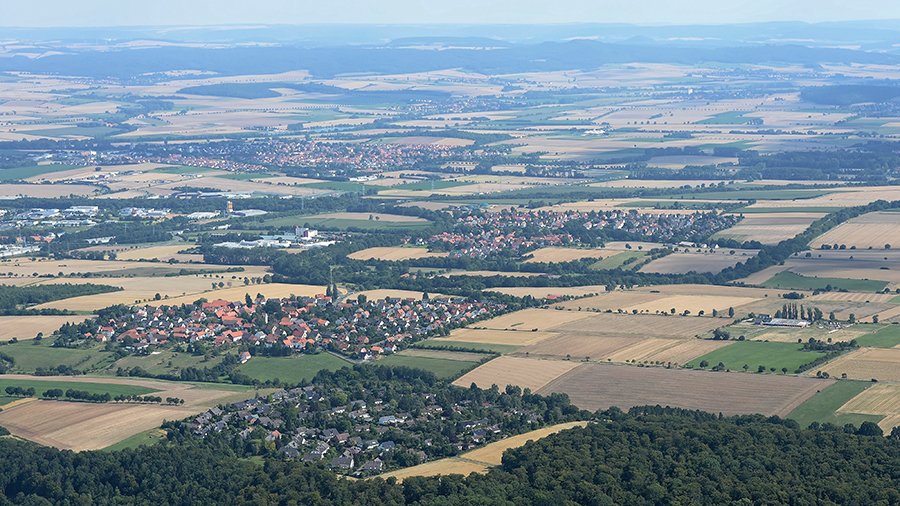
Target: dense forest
{"x":648,"y":456}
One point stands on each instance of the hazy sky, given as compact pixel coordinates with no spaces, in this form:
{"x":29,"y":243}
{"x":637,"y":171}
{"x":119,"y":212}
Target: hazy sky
{"x":197,"y":12}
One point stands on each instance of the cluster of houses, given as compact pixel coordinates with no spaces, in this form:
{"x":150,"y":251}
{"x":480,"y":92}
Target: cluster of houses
{"x":364,"y":434}
{"x":515,"y":231}
{"x":357,"y":328}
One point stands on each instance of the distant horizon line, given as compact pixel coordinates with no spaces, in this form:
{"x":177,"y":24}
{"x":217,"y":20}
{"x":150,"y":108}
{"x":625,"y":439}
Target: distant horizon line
{"x":472,"y":24}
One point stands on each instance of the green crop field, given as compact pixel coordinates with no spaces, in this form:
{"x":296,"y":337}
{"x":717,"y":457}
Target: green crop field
{"x":41,"y":386}
{"x":166,"y":362}
{"x":146,"y":438}
{"x":442,"y":368}
{"x":32,"y":355}
{"x":618,"y":260}
{"x":291,"y":370}
{"x":821,"y":407}
{"x":755,"y":354}
{"x":794,"y":281}
{"x":887,"y":336}
{"x":18,"y":173}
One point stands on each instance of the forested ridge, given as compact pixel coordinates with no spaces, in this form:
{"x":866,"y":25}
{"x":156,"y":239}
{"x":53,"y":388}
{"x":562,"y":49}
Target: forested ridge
{"x":650,"y":456}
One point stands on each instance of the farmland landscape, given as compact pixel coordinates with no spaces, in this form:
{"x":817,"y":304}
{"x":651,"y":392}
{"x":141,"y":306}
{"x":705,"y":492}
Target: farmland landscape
{"x":441,"y":262}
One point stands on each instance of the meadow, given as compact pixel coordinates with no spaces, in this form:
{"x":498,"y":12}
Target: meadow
{"x":754,"y":354}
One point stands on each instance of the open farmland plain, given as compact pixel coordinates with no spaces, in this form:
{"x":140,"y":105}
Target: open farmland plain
{"x":880,"y":400}
{"x":87,"y":426}
{"x":873,"y":230}
{"x":769,"y":228}
{"x":600,"y":386}
{"x":27,"y":327}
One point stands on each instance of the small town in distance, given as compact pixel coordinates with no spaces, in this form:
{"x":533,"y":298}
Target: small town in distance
{"x":277,"y":254}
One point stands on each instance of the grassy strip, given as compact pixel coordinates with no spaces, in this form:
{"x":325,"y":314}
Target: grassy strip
{"x":822,"y":406}
{"x":792,"y":280}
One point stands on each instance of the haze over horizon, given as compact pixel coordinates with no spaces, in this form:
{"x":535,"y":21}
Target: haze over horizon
{"x":108,"y":13}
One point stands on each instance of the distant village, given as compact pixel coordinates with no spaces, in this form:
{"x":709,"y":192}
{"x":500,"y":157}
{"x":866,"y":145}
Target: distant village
{"x":355,"y":327}
{"x":513,"y":232}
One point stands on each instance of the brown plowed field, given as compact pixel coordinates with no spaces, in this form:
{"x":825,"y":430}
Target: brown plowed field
{"x":599,"y":386}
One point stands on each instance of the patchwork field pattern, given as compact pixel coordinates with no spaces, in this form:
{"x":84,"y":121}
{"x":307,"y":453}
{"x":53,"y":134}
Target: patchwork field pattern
{"x":682,"y":263}
{"x":87,"y":426}
{"x":882,"y":399}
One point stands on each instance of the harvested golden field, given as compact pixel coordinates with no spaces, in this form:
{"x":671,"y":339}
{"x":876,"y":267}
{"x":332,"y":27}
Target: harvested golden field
{"x":394,"y":254}
{"x":559,"y":255}
{"x":647,"y":302}
{"x":866,"y":364}
{"x":543,"y":292}
{"x":788,"y":335}
{"x":682,"y":263}
{"x":676,"y":351}
{"x":629,"y":325}
{"x":889,"y":422}
{"x":85,"y":426}
{"x":504,"y":337}
{"x":524,"y":372}
{"x":769,"y":228}
{"x":9,"y":190}
{"x":869,"y":230}
{"x":880,"y":298}
{"x":880,"y":399}
{"x":161,"y":253}
{"x":27,"y":327}
{"x":271,"y":290}
{"x":392,"y":218}
{"x":24,"y":267}
{"x":138,"y":289}
{"x":580,"y":347}
{"x":891,"y":314}
{"x":600,"y":386}
{"x":531,"y":320}
{"x":492,"y":454}
{"x":442,"y":467}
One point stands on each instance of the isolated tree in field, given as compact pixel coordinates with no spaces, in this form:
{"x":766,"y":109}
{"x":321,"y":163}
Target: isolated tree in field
{"x":731,"y":312}
{"x":784,"y":370}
